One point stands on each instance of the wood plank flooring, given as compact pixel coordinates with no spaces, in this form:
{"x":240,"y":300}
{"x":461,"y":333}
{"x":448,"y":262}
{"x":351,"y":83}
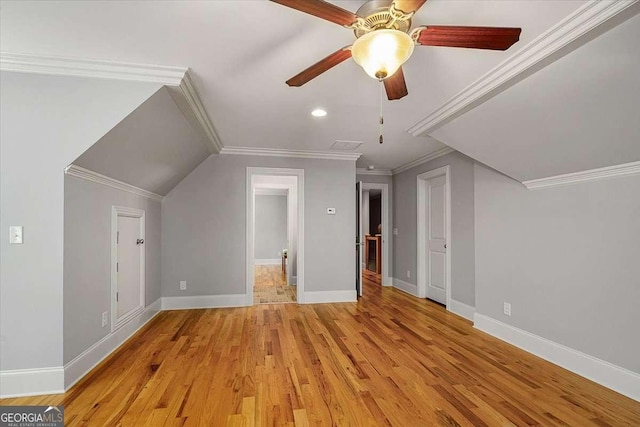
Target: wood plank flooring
{"x":388,"y":360}
{"x":270,"y":286}
{"x":371,"y":277}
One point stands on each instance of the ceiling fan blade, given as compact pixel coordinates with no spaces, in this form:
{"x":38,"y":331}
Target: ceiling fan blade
{"x":321,"y":9}
{"x":494,"y":38}
{"x":395,"y":85}
{"x":408,"y":6}
{"x":320,"y":67}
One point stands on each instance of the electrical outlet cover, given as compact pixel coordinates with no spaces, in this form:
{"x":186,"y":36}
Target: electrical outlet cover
{"x":507,"y":309}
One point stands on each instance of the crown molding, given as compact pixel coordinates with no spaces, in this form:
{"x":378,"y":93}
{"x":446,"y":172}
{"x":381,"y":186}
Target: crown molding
{"x":276,"y":152}
{"x":89,"y":175}
{"x":179,"y":77}
{"x":62,"y":66}
{"x":364,"y":171}
{"x":424,"y":159}
{"x":192,"y":98}
{"x":578,"y":24}
{"x":625,"y":169}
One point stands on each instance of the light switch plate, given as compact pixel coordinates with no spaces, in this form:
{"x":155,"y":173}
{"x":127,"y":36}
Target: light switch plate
{"x":331,"y":211}
{"x":15,"y":235}
{"x":183,"y":285}
{"x":395,"y":231}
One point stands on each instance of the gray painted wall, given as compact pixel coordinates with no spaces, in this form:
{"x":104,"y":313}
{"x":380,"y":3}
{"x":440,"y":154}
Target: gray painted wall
{"x":204,"y":226}
{"x":566,"y":258}
{"x":45,"y":123}
{"x":87,"y":258}
{"x":271,"y":226}
{"x":462,"y":224}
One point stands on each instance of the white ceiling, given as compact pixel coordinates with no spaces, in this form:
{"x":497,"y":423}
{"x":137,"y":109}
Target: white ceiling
{"x":153,"y":148}
{"x":241,"y":53}
{"x":579,"y":113}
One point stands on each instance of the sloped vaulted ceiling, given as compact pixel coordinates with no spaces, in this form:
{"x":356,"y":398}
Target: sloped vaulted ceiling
{"x":242,"y":52}
{"x":580,"y":113}
{"x":153,"y":148}
{"x":575,"y":114}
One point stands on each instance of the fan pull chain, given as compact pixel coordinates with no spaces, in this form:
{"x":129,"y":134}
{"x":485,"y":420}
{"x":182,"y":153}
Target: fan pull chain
{"x":381,"y":138}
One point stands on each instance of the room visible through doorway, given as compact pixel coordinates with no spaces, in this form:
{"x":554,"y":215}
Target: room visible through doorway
{"x":373,"y":229}
{"x":273,"y":237}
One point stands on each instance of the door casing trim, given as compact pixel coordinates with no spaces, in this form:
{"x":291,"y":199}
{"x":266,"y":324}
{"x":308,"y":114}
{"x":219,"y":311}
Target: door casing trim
{"x":250,"y":228}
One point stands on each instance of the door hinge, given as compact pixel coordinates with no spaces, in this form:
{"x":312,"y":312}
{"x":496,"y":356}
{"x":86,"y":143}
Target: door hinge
{"x":117,"y":296}
{"x":117,"y":267}
{"x":117,"y":237}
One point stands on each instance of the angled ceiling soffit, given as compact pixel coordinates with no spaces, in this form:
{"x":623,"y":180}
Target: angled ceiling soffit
{"x":179,"y":81}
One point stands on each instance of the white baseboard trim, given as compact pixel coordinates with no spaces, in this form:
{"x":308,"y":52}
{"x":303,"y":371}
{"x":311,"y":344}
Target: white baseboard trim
{"x":82,"y":364}
{"x":31,"y":382}
{"x":462,"y":309}
{"x":409,"y":288}
{"x":271,"y":261}
{"x":204,"y":301}
{"x":604,"y":373}
{"x":320,"y":297}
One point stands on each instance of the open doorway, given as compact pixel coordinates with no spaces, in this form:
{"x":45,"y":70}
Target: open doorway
{"x":274,"y":235}
{"x":271,"y":283}
{"x":374,"y":235}
{"x":372,"y":226}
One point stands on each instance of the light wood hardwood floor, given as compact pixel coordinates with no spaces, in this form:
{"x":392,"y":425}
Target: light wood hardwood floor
{"x":371,"y":278}
{"x":270,"y":286}
{"x":390,"y":359}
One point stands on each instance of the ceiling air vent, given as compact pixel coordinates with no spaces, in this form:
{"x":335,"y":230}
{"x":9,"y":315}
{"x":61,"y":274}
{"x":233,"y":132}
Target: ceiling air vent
{"x":345,"y":145}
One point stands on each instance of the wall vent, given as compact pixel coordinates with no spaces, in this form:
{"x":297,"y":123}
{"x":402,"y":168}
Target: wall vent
{"x":345,"y":145}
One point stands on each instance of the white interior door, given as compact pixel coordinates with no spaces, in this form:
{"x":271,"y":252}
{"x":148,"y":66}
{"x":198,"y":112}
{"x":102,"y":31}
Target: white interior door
{"x":436,"y":238}
{"x":359,"y":239}
{"x":129,"y":266}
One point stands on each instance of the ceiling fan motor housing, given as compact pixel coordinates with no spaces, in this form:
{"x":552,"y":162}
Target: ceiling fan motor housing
{"x":376,"y":14}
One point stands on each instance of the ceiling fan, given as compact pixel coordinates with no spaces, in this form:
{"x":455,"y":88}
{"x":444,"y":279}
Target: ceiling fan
{"x":384,"y":39}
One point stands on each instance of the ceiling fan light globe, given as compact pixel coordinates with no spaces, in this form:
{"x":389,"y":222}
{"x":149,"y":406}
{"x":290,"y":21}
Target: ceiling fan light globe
{"x":382,"y":52}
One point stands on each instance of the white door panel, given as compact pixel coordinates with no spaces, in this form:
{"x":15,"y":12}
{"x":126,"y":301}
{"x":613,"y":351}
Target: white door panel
{"x":435,"y":204}
{"x":128,"y":297}
{"x":437,"y":271}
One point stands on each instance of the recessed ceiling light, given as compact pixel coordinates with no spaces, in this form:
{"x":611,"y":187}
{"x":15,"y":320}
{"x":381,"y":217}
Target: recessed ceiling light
{"x":319,"y":112}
